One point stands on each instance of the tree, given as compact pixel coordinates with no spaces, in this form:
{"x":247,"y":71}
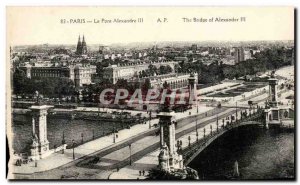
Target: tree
{"x":121,"y":84}
{"x":166,"y":85}
{"x":152,"y":69}
{"x":165,"y":69}
{"x":146,"y":86}
{"x":177,"y":68}
{"x":21,"y":84}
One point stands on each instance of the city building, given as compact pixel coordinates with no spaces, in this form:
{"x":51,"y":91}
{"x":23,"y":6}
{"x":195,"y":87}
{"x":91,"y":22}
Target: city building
{"x":130,"y":71}
{"x":174,"y":80}
{"x":239,"y":55}
{"x":83,"y":74}
{"x":80,"y":74}
{"x":194,"y":48}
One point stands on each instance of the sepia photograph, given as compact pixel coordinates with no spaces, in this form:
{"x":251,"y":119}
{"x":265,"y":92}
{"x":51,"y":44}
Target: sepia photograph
{"x":150,"y":93}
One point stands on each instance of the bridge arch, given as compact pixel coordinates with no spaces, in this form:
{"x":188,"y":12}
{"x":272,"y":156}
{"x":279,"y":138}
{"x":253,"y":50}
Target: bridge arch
{"x":192,"y":151}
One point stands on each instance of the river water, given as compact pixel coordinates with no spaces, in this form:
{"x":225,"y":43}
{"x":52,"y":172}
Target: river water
{"x":260,"y":153}
{"x":22,"y":128}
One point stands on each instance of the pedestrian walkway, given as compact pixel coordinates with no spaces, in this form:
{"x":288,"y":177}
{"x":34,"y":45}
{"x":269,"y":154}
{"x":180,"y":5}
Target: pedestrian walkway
{"x":59,"y":159}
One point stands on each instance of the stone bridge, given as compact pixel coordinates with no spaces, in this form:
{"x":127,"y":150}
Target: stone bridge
{"x":194,"y":149}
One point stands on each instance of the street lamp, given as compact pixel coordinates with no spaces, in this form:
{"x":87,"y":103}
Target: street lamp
{"x":35,"y":161}
{"x":73,"y":146}
{"x":236,"y":112}
{"x":241,"y":114}
{"x":100,"y":122}
{"x":196,"y":125}
{"x":130,"y":160}
{"x":217,"y":118}
{"x":177,"y":145}
{"x":63,"y":142}
{"x":114,"y":134}
{"x":189,"y":138}
{"x":150,"y":114}
{"x":197,"y":135}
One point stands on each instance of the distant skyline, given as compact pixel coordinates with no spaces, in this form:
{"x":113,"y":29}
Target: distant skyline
{"x":204,"y":42}
{"x":42,"y":25}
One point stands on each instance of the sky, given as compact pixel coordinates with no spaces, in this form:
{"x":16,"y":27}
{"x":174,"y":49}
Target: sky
{"x":40,"y":25}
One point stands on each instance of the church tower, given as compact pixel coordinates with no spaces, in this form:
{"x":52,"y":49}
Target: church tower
{"x":83,"y":46}
{"x":79,"y":47}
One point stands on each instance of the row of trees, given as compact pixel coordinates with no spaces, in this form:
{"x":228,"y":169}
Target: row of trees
{"x":90,"y":91}
{"x":269,"y":59}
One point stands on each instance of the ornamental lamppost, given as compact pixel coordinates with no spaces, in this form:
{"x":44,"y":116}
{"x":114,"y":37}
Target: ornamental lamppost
{"x":236,"y":112}
{"x":150,"y":114}
{"x":180,"y":144}
{"x":35,"y":163}
{"x":241,"y":114}
{"x":63,"y":142}
{"x":217,"y":120}
{"x":73,"y":146}
{"x":130,"y":160}
{"x":177,"y":145}
{"x":114,"y":133}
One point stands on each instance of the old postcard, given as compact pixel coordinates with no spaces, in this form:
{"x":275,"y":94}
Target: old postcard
{"x":151,"y":93}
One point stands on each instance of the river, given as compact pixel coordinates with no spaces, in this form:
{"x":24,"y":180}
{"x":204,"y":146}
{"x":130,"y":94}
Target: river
{"x":22,"y":128}
{"x":260,"y":153}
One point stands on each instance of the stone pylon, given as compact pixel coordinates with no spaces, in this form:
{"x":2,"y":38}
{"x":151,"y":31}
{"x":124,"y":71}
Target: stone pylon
{"x":167,"y":143}
{"x":40,"y":143}
{"x":272,"y":109}
{"x":192,"y":89}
